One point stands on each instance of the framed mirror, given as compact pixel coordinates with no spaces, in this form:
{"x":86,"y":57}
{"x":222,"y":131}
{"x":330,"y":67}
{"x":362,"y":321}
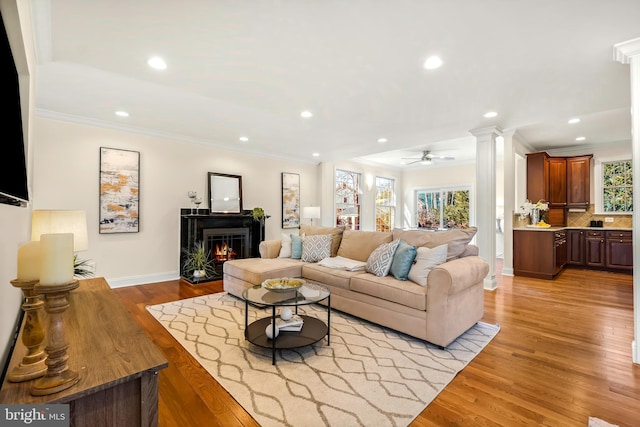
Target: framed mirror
{"x":225,"y":193}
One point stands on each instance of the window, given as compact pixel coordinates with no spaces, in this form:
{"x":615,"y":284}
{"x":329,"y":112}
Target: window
{"x":347,"y":199}
{"x":385,"y":204}
{"x":442,"y":209}
{"x":617,"y":186}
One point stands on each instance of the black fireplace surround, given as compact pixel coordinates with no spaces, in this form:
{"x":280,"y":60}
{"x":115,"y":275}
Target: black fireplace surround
{"x":238,"y":231}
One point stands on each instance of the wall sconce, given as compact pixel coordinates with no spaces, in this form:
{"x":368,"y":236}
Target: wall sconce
{"x":311,"y":212}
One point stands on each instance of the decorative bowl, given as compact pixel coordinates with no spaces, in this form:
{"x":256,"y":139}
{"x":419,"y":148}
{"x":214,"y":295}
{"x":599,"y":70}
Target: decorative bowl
{"x":283,"y":284}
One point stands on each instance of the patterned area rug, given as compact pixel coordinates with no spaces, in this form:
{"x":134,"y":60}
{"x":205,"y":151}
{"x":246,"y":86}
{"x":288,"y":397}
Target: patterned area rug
{"x":368,"y":376}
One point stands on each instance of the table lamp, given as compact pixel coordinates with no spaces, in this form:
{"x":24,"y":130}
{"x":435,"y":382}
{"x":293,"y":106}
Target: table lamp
{"x":311,"y":212}
{"x":61,"y":221}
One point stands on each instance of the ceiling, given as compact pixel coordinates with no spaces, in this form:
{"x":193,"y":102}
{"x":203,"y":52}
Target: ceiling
{"x":249,"y":68}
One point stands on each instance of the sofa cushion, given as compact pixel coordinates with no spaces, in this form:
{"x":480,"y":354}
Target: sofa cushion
{"x":379,"y":262}
{"x":402,"y":260}
{"x":257,"y":270}
{"x":389,"y":288}
{"x":315,"y":248}
{"x":296,"y":246}
{"x":328,"y":276}
{"x":426,"y":260}
{"x":358,"y":245}
{"x":335,"y":232}
{"x":457,"y":239}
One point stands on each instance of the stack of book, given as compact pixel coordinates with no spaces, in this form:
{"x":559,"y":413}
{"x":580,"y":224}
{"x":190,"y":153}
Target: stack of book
{"x":292,"y":325}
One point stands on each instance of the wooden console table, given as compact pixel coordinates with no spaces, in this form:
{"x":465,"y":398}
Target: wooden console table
{"x":118,"y":364}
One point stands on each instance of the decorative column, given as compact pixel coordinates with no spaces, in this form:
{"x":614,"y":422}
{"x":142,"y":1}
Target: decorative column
{"x":486,"y":198}
{"x":628,"y":52}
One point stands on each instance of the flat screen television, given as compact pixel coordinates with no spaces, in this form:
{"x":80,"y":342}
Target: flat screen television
{"x":13,"y":167}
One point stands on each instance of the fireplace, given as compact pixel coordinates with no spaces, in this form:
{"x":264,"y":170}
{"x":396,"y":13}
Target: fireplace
{"x":225,"y":236}
{"x":225,"y":244}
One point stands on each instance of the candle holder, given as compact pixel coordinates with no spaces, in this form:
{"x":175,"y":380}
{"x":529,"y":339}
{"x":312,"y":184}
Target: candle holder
{"x":33,"y":364}
{"x":58,"y":376}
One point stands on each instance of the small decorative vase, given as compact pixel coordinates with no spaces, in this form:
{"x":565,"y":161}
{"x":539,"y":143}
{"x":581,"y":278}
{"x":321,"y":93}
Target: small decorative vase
{"x":534,"y":215}
{"x":199,"y":273}
{"x":269,"y":331}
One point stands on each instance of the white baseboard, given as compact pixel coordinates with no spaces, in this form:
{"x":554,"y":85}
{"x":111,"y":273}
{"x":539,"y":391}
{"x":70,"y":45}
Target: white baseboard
{"x":507,"y":271}
{"x":121,"y":282}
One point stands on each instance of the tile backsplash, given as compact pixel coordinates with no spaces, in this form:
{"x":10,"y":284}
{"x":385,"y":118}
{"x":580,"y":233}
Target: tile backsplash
{"x":582,"y":219}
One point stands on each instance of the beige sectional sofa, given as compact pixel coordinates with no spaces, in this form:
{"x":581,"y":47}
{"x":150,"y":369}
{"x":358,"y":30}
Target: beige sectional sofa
{"x":437,"y":309}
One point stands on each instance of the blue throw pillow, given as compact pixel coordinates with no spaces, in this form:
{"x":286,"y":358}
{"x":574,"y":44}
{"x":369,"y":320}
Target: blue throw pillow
{"x":403,"y":260}
{"x":296,"y":246}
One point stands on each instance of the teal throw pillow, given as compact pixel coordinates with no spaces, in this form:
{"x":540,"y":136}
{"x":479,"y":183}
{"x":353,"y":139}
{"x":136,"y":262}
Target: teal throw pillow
{"x":296,"y":246}
{"x":403,"y":260}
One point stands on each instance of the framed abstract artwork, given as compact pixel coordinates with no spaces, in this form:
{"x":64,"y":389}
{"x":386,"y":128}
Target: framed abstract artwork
{"x":290,"y":200}
{"x":119,"y":191}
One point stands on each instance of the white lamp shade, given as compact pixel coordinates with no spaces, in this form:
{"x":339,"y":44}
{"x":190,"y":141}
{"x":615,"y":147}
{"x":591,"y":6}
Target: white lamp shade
{"x":312,"y":212}
{"x":61,"y":221}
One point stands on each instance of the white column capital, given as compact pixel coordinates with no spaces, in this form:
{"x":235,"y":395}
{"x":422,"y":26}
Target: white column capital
{"x":624,"y":51}
{"x":493,"y":131}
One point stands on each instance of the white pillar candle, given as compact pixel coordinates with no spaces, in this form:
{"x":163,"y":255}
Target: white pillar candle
{"x":56,"y":251}
{"x":29,"y":261}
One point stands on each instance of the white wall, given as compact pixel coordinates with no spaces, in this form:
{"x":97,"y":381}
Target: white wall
{"x":66,"y":176}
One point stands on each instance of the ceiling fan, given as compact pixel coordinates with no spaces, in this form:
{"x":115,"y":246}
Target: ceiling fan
{"x":427,"y":158}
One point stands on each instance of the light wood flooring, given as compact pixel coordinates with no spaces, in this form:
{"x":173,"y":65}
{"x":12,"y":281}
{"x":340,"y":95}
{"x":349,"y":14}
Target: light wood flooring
{"x":563,"y":354}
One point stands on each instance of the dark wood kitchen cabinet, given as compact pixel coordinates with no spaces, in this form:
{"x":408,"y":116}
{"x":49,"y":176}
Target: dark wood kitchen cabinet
{"x":575,"y":247}
{"x":595,"y":249}
{"x":539,"y":253}
{"x":557,"y":182}
{"x":619,"y":249}
{"x":563,"y":182}
{"x":578,"y":181}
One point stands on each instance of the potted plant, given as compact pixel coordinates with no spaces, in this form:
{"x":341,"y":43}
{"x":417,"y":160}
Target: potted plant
{"x":258,"y":214}
{"x":82,"y":267}
{"x":197,"y":261}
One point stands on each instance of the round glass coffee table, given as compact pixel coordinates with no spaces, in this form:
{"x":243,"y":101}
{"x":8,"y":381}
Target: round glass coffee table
{"x":313,"y":329}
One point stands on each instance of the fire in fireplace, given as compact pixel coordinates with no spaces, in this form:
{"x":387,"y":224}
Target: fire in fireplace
{"x":226,"y":244}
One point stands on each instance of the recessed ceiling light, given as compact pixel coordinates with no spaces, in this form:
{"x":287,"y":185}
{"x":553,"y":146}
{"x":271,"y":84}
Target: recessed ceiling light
{"x":581,"y":138}
{"x":316,"y":154}
{"x":490,"y":114}
{"x":157,"y":63}
{"x":243,"y":139}
{"x":574,"y":120}
{"x":382,"y":140}
{"x":433,"y":62}
{"x":306,"y":114}
{"x":122,"y":114}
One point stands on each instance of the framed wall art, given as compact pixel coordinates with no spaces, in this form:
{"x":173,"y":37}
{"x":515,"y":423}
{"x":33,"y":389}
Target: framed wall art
{"x":290,"y":200}
{"x":119,"y":191}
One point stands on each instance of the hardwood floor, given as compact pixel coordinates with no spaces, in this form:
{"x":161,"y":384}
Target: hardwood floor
{"x":563,"y":354}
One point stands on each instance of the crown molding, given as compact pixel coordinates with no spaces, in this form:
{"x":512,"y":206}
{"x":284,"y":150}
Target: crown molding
{"x":624,"y":51}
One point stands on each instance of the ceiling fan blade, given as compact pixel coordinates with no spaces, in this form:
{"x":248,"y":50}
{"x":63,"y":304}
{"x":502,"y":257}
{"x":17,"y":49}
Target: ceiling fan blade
{"x":443,"y":157}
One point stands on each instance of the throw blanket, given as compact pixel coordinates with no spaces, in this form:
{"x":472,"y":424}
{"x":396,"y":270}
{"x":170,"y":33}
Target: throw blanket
{"x":342,"y":263}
